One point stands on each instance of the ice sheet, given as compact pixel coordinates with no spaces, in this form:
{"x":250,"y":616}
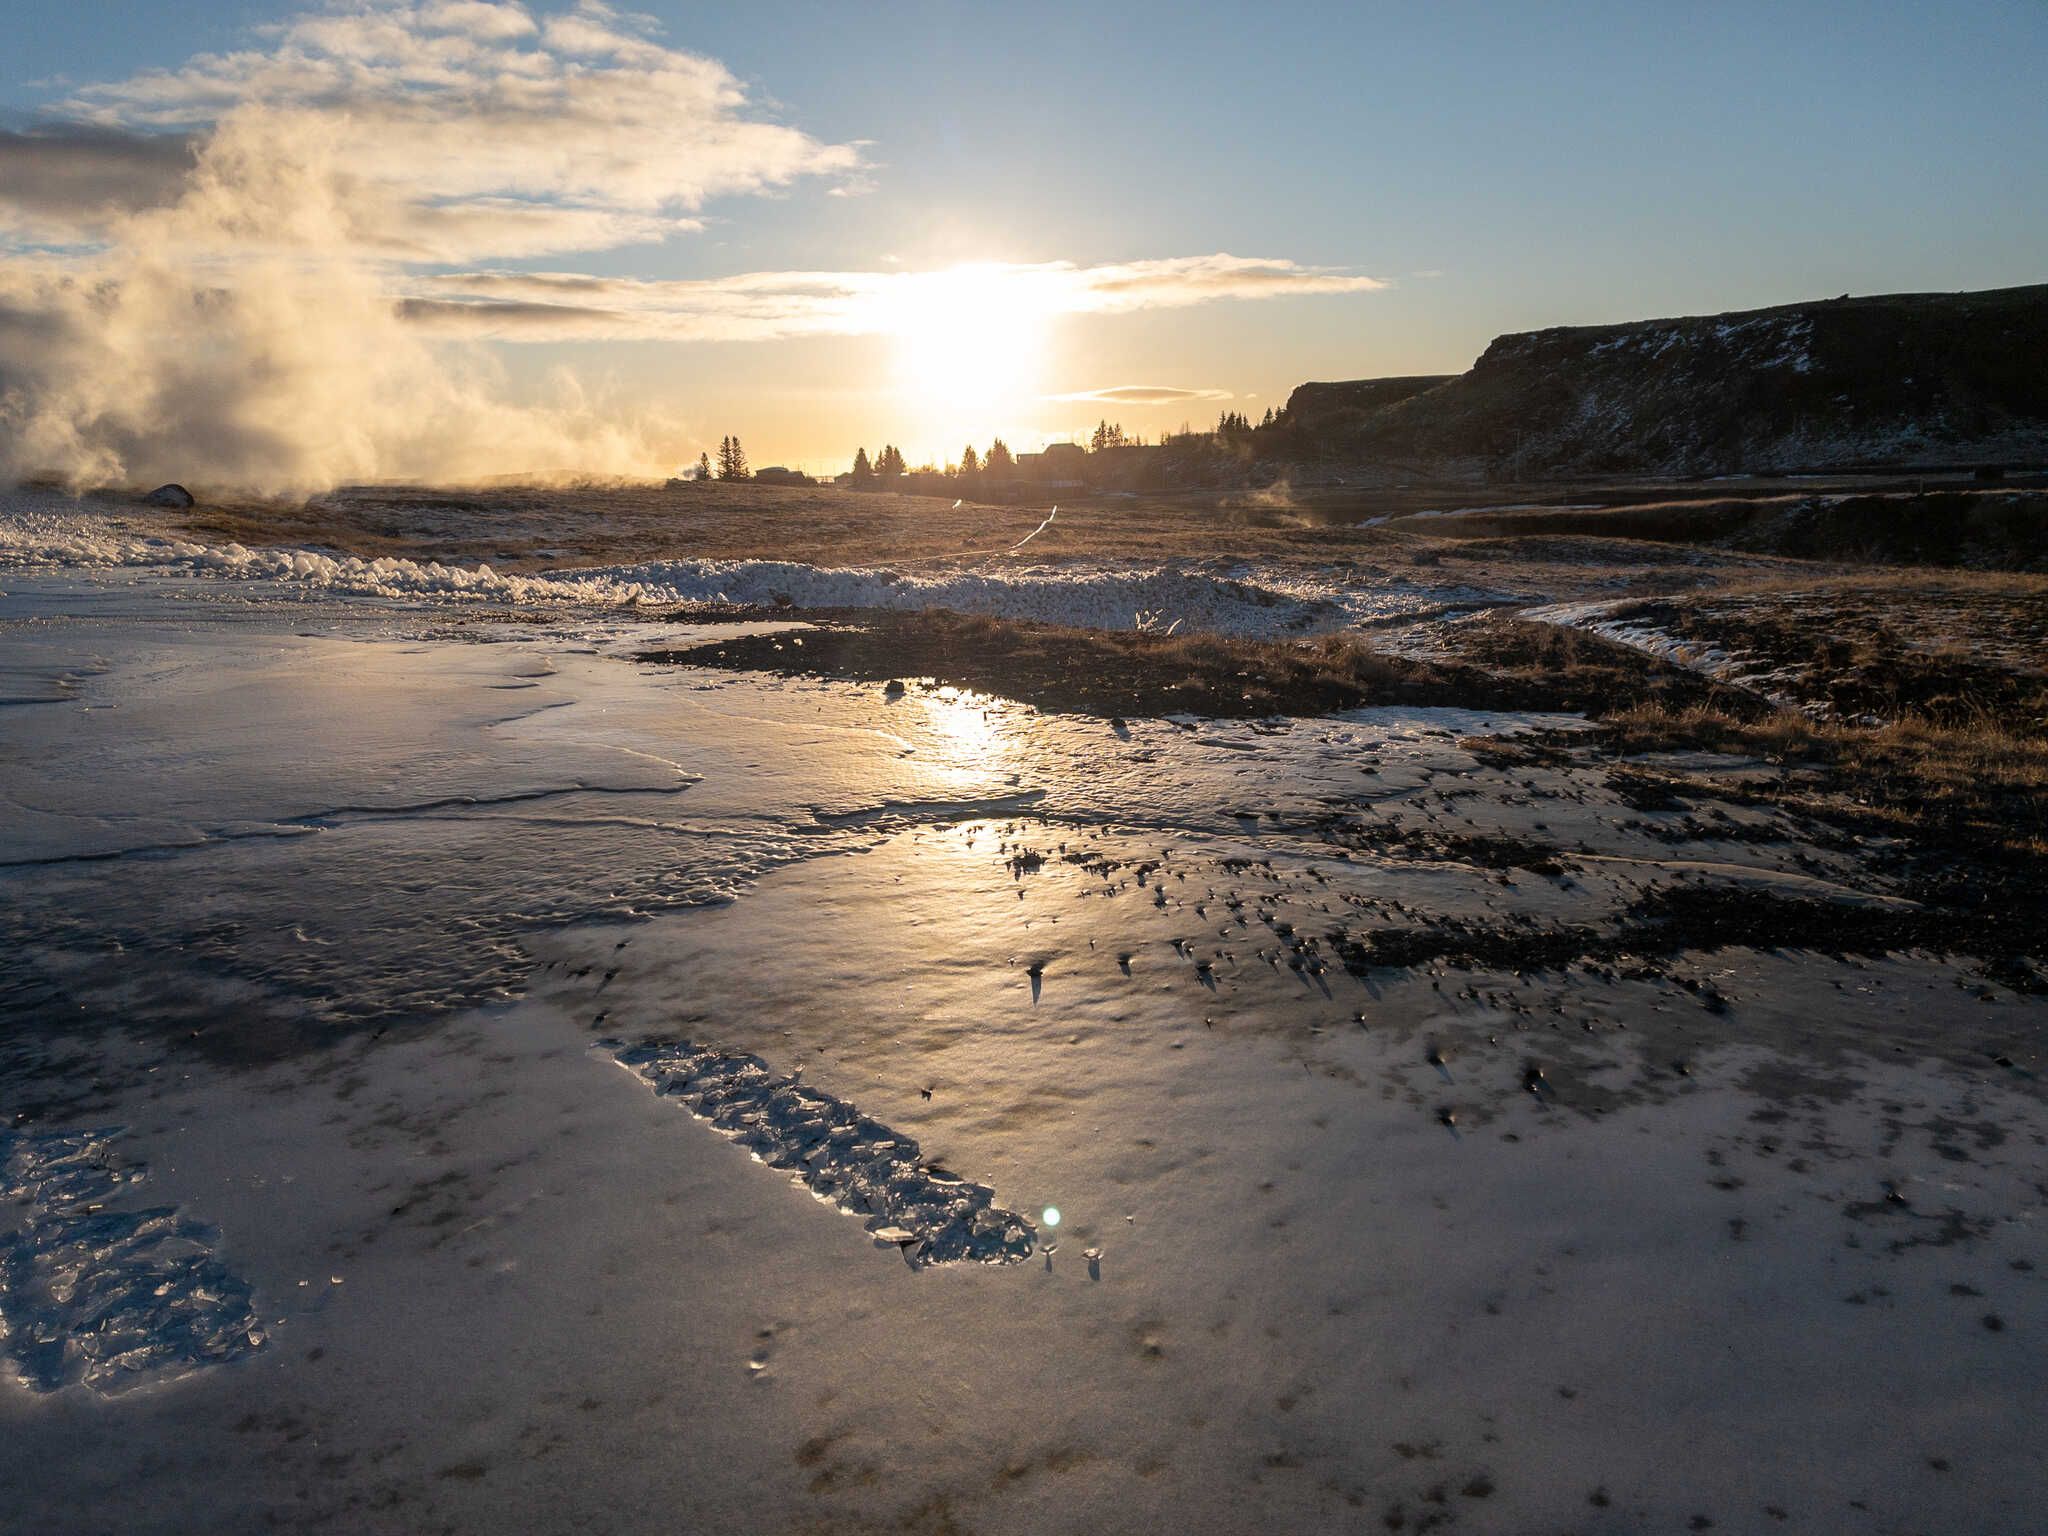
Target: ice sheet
{"x":330,"y":904}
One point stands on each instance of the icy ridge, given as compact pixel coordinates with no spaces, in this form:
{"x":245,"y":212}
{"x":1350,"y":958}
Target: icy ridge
{"x":841,"y":1156}
{"x":1722,"y":665}
{"x":106,"y":1299}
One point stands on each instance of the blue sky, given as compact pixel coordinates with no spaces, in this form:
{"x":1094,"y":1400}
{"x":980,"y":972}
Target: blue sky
{"x":1496,"y":166}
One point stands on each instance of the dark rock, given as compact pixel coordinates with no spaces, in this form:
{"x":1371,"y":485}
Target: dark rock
{"x":1928,"y":379}
{"x":168,"y":496}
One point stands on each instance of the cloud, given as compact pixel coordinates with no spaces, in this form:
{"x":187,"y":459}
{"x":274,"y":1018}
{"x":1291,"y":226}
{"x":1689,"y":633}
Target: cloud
{"x":1142,"y":394}
{"x":767,"y":306}
{"x":235,"y":270}
{"x":200,"y":272}
{"x":1181,"y":280}
{"x":458,"y":130}
{"x":67,"y":183}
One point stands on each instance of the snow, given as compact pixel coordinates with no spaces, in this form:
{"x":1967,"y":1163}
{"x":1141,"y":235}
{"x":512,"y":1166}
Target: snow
{"x":45,"y":531}
{"x":840,"y":1155}
{"x":1597,"y":618}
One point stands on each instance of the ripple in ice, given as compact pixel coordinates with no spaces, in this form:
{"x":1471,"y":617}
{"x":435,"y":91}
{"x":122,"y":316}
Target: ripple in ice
{"x":107,"y":1299}
{"x":836,"y":1152}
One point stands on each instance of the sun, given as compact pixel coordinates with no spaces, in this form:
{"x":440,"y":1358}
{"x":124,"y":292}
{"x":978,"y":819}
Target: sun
{"x":969,"y":339}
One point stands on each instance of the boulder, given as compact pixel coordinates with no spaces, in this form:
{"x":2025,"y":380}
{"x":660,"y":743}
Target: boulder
{"x":169,"y":496}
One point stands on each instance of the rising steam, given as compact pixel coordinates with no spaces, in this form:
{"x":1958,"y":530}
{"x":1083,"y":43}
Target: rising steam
{"x":217,"y":299}
{"x":239,"y":337}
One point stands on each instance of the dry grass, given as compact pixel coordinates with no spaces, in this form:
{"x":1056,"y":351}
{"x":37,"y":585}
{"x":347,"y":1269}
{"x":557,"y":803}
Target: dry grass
{"x":1952,"y":648}
{"x":1122,"y":672}
{"x":1975,"y":781}
{"x":1874,"y":524}
{"x":529,"y":528}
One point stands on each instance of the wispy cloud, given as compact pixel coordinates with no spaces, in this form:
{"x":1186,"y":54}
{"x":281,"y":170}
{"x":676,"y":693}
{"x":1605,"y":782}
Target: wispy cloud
{"x":1141,"y":394}
{"x":763,"y":306}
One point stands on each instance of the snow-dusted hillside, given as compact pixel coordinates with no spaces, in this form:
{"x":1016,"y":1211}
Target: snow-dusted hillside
{"x":1903,"y":379}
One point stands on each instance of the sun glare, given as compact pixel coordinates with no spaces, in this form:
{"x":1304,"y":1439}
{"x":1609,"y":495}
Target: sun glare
{"x":968,"y":339}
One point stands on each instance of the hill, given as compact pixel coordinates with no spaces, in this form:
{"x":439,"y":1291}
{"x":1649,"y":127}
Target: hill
{"x":1899,"y":381}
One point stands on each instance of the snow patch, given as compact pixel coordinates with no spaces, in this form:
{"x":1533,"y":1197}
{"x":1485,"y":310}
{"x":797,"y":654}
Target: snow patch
{"x":840,"y":1155}
{"x":43,"y":531}
{"x":102,"y":1298}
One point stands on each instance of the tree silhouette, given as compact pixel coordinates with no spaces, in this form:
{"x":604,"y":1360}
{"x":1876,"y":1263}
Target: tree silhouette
{"x":732,"y":460}
{"x":703,"y":466}
{"x":890,"y":462}
{"x":999,"y":461}
{"x":970,"y":462}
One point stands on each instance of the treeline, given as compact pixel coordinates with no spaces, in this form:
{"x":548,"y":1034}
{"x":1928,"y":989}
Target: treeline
{"x":1232,"y":429}
{"x":888,"y":464}
{"x":732,"y":462}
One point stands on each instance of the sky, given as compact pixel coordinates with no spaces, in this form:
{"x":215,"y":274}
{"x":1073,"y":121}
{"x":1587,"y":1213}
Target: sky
{"x":441,"y":236}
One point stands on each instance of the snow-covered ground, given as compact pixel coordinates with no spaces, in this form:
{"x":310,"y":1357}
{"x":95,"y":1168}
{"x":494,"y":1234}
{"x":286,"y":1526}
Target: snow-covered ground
{"x":348,"y":912}
{"x":43,"y":530}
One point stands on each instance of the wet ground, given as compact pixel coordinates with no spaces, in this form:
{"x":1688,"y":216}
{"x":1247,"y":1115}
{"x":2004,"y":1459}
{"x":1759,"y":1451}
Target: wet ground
{"x":1362,"y":1154}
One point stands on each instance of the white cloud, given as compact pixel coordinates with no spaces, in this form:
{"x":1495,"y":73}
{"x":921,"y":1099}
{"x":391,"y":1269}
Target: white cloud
{"x":231,"y":234}
{"x":478,"y":18}
{"x":434,"y":122}
{"x":1142,"y":394}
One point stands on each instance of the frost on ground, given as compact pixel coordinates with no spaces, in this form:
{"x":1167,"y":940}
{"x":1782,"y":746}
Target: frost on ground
{"x":45,"y":531}
{"x":1446,"y":1137}
{"x":837,"y":1153}
{"x":1864,"y":649}
{"x":1603,"y":619}
{"x":107,"y":1299}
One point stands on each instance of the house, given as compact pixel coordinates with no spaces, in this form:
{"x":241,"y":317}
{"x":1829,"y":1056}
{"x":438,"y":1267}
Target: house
{"x":1057,"y":464}
{"x":777,"y":474}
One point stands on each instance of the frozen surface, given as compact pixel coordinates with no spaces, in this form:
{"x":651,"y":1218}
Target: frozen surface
{"x":96,"y":1292}
{"x":840,"y":1155}
{"x":329,"y":902}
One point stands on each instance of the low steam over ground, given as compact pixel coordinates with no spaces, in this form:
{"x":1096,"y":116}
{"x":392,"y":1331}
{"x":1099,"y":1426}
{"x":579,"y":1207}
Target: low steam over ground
{"x":1307,"y":1075}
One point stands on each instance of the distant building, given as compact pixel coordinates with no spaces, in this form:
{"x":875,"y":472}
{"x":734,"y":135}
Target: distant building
{"x":776,"y":474}
{"x":1057,"y":465}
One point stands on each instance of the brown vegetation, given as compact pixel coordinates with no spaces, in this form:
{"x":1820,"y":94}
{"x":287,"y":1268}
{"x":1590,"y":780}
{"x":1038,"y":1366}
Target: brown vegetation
{"x":1954,"y":648}
{"x":1124,"y":672}
{"x":1988,"y":529}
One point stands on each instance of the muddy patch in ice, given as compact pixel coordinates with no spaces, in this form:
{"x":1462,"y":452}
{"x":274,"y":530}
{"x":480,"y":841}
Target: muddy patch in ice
{"x":841,"y":1156}
{"x":102,"y":1298}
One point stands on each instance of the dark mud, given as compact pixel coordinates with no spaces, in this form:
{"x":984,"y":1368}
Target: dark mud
{"x":1701,"y":920}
